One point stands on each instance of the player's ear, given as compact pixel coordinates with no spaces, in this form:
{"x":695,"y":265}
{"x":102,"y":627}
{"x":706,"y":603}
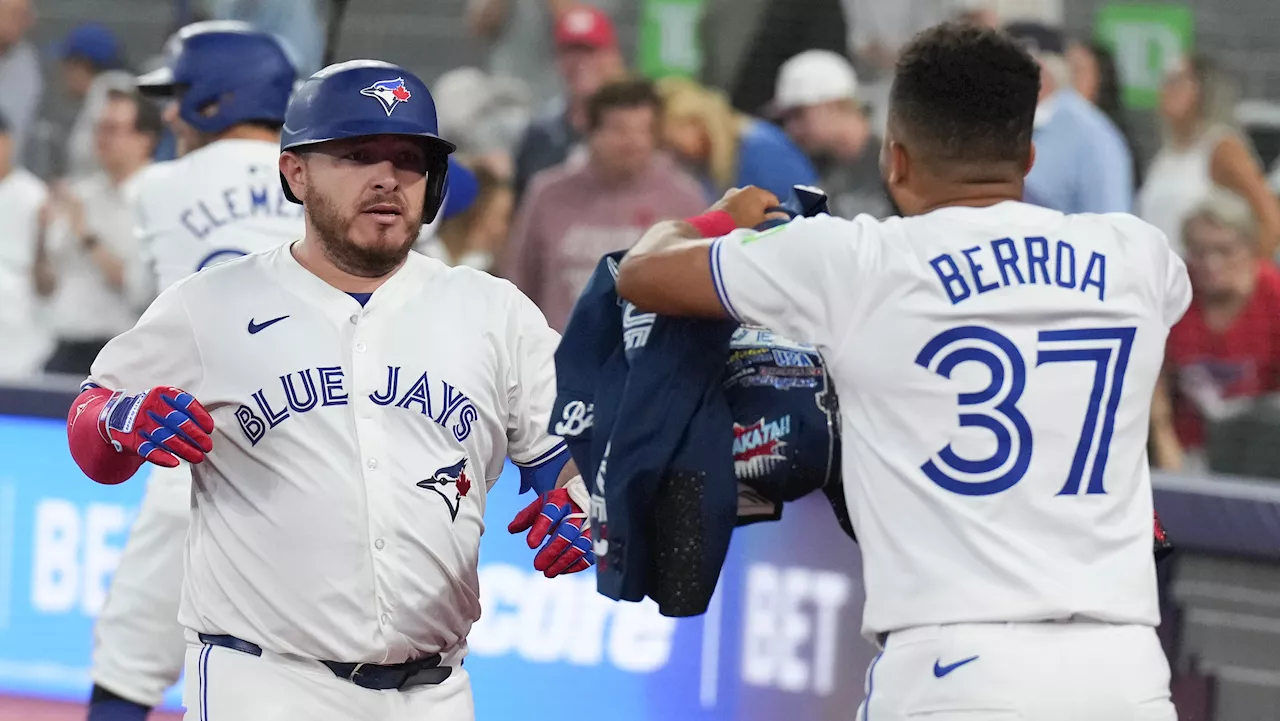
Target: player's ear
{"x":899,"y":163}
{"x":294,"y":171}
{"x":1031,"y":159}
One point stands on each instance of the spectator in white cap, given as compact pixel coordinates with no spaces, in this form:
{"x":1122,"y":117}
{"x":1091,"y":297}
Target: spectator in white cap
{"x":817,"y":104}
{"x":484,"y":115}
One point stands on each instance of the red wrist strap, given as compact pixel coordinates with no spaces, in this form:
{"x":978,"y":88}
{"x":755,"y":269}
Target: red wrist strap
{"x":713,"y":224}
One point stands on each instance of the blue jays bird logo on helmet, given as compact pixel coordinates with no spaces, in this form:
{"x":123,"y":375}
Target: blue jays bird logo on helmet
{"x":388,"y":92}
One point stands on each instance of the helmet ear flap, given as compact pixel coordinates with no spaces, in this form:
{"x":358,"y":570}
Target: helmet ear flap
{"x":288,"y":192}
{"x":437,"y":179}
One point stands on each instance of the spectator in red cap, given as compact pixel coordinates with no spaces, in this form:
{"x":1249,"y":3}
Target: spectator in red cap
{"x":520,"y":37}
{"x":587,"y":58}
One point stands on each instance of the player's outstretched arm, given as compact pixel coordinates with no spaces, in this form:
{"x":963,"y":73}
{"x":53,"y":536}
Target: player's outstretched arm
{"x":111,"y":430}
{"x":669,"y":270}
{"x":112,"y":433}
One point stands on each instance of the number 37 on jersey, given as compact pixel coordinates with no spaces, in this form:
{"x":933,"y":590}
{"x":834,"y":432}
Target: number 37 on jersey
{"x":995,"y":408}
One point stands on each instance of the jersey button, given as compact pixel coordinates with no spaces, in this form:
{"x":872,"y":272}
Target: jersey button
{"x":355,"y":319}
{"x":378,"y":544}
{"x":386,"y":618}
{"x":359,"y":347}
{"x":372,"y":463}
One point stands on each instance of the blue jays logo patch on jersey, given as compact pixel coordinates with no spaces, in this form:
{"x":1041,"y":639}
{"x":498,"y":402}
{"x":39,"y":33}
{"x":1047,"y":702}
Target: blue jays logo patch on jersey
{"x":388,"y":92}
{"x":440,"y":480}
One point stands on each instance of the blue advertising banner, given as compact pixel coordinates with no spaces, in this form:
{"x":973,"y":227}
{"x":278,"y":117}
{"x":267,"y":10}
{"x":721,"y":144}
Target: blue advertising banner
{"x":781,"y":638}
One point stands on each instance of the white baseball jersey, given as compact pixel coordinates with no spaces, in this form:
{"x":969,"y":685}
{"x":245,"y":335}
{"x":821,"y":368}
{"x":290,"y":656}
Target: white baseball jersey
{"x":995,"y":368}
{"x":218,"y":202}
{"x":339,"y":514}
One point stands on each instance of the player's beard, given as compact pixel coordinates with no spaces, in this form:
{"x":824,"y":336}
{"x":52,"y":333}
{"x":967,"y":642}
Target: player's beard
{"x":334,"y":230}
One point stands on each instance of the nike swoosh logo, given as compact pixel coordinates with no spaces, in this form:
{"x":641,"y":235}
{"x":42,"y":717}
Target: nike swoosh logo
{"x":255,"y":327}
{"x":939,"y":670}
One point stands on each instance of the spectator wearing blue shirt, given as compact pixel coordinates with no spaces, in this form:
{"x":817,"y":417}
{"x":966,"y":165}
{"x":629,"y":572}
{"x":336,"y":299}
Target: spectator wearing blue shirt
{"x":724,"y":148}
{"x":1083,"y":163}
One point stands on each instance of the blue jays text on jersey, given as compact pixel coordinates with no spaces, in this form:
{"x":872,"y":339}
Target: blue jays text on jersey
{"x":1006,"y":261}
{"x":238,"y":202}
{"x":304,"y":390}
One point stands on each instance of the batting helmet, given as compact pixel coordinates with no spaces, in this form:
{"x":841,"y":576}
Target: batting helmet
{"x":223,"y":73}
{"x":368,"y":97}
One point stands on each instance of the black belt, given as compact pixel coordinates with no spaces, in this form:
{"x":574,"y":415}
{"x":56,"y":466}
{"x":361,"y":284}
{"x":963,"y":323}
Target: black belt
{"x":425,"y":671}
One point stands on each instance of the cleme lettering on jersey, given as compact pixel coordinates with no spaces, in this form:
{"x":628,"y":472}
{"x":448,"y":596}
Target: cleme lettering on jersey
{"x":234,"y":204}
{"x":757,"y":448}
{"x":439,"y":482}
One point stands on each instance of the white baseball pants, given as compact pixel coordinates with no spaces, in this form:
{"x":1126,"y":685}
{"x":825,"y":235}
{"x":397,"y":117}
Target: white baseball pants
{"x":1020,"y":672}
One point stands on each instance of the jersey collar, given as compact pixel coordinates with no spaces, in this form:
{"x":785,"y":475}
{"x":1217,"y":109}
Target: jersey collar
{"x":410,"y":277}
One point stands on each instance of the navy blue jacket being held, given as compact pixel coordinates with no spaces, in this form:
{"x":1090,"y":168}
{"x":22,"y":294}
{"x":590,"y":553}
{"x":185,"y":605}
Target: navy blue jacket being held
{"x":685,"y":429}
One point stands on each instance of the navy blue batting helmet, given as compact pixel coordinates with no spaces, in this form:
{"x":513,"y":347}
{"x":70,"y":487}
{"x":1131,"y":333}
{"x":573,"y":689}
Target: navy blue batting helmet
{"x":223,"y":73}
{"x":359,"y":98}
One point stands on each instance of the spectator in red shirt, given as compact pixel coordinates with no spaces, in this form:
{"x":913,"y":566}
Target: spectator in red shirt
{"x":576,"y":212}
{"x":1226,"y":349}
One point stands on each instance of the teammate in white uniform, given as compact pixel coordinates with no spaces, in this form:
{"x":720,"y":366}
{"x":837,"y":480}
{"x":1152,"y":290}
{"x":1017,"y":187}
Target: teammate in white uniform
{"x":227,"y":86}
{"x":995,"y":363}
{"x":356,"y":400}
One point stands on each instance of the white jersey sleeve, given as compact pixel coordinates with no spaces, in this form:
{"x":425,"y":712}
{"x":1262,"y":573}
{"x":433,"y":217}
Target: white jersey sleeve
{"x":800,"y":279}
{"x":1177,"y":288}
{"x":159,"y":350}
{"x":531,"y":385}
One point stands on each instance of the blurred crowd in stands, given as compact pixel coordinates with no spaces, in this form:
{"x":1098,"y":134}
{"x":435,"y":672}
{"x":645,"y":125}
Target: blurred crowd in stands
{"x":572,"y":154}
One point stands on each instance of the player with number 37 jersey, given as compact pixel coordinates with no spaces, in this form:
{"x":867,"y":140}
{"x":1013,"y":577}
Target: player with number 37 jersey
{"x":995,"y":363}
{"x":999,"y":364}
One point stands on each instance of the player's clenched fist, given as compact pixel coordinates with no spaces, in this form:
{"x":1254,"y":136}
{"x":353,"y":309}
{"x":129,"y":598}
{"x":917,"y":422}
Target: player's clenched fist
{"x":160,"y":425}
{"x":749,"y":206}
{"x":558,"y":517}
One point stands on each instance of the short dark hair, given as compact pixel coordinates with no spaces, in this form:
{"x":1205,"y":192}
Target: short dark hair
{"x":148,"y":119}
{"x":629,"y":93}
{"x":966,"y":94}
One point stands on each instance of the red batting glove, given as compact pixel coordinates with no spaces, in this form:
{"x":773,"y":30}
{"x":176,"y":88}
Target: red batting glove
{"x":160,"y":425}
{"x":558,"y":517}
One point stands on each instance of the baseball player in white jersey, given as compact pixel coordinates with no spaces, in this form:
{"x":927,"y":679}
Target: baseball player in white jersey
{"x":226,"y":86}
{"x":345,"y":404}
{"x":995,"y":363}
